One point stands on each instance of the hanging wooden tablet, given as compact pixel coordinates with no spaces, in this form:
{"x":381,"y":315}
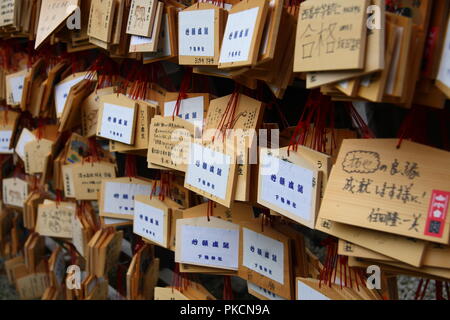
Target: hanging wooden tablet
{"x":117,"y":196}
{"x":322,"y":162}
{"x":169,"y":142}
{"x":374,"y":57}
{"x":211,"y":174}
{"x":89,"y":110}
{"x":265,"y":259}
{"x":62,"y":90}
{"x":52,"y":78}
{"x":153,"y":219}
{"x":192,"y":108}
{"x":35,"y":153}
{"x":87,"y":178}
{"x":289,"y":185}
{"x":25,"y":137}
{"x":119,"y":22}
{"x":8,"y":124}
{"x":331,"y":35}
{"x":271,"y":31}
{"x":149,"y":44}
{"x":403,"y":191}
{"x":349,"y":249}
{"x":213,"y":243}
{"x":200,"y":32}
{"x":117,"y":118}
{"x":52,"y":14}
{"x":101,"y":19}
{"x":399,"y":65}
{"x":372,"y":87}
{"x":32,"y":285}
{"x":243,"y":33}
{"x":80,"y":236}
{"x":35,"y":75}
{"x":240,"y":137}
{"x":141,"y":17}
{"x":9,"y":12}
{"x":70,"y":118}
{"x":167,"y":43}
{"x":15,"y":192}
{"x":55,"y":219}
{"x":408,"y":250}
{"x":145,"y":113}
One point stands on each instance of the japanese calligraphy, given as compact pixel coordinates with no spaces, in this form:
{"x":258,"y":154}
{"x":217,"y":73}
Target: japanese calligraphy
{"x":329,"y":30}
{"x":377,"y":186}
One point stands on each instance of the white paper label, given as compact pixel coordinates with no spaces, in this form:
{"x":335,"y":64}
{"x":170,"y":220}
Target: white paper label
{"x":208,"y":170}
{"x":149,"y":222}
{"x":263,"y":255}
{"x":62,"y":92}
{"x":119,"y":197}
{"x":213,"y":247}
{"x":238,"y":36}
{"x":117,"y":123}
{"x":196,"y":33}
{"x":305,"y":292}
{"x":191,"y":110}
{"x":289,"y":187}
{"x":138,"y":40}
{"x":5,"y":140}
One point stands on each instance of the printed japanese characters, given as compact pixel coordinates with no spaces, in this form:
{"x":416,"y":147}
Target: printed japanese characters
{"x":288,"y":184}
{"x":213,"y":243}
